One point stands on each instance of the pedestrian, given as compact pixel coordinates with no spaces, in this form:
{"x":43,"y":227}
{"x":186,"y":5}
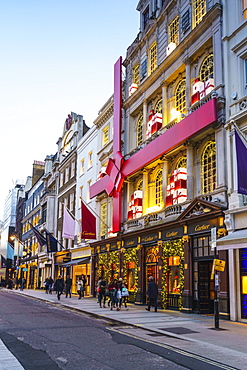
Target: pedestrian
{"x":102,"y":291}
{"x":152,"y":294}
{"x":50,"y":284}
{"x":46,"y":283}
{"x":68,"y":285}
{"x":113,"y":292}
{"x":119,"y":294}
{"x":22,"y":283}
{"x":10,"y":284}
{"x":125,"y":294}
{"x":59,"y":286}
{"x":81,"y":282}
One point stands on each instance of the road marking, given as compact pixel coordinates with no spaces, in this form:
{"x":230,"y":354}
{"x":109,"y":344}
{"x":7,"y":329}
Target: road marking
{"x":179,"y":351}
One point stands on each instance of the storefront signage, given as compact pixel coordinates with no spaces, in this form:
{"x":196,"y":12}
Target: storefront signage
{"x":200,"y":227}
{"x":66,"y":259}
{"x":219,"y":265}
{"x":130,"y":243}
{"x":149,"y":238}
{"x":103,"y":248}
{"x":172,"y":233}
{"x":114,"y":246}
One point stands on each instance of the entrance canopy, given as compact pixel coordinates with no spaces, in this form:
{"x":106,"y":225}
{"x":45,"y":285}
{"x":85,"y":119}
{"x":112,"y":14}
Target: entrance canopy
{"x":78,"y":261}
{"x":235,"y":240}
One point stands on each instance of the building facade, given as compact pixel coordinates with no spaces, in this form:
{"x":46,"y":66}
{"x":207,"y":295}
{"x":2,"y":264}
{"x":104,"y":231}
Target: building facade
{"x":173,"y":181}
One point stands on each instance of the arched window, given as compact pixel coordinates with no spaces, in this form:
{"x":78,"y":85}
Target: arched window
{"x":158,"y":106}
{"x":207,"y":68}
{"x":180,"y":96}
{"x":181,"y":163}
{"x":139,"y":184}
{"x":208,"y":168}
{"x":158,"y":188}
{"x":139,"y":130}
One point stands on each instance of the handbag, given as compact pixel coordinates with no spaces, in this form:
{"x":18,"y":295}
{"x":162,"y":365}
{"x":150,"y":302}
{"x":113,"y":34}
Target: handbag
{"x":125,"y":292}
{"x":82,"y":288}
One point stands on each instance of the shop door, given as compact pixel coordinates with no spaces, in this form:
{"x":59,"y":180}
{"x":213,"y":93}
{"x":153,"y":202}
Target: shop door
{"x":151,"y":267}
{"x":205,"y":293}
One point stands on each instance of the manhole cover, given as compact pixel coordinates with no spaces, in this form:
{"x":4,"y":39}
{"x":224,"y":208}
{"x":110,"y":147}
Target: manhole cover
{"x":179,"y":330}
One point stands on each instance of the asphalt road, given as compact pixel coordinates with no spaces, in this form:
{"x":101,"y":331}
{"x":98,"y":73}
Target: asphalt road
{"x":47,"y":336}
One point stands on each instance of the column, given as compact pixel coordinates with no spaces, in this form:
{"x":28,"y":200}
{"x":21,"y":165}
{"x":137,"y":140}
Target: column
{"x":188,"y":84}
{"x":164,"y":179}
{"x":145,"y":195}
{"x":145,"y":118}
{"x":164,"y":104}
{"x":190,"y":167}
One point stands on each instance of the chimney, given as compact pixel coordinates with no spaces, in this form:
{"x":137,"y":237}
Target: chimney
{"x":38,"y":171}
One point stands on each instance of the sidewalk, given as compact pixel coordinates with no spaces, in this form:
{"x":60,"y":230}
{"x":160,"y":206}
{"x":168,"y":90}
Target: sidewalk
{"x":188,"y":332}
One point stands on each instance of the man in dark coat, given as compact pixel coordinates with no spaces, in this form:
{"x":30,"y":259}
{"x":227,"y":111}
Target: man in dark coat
{"x":152,"y":294}
{"x":59,"y":286}
{"x":68,"y":284}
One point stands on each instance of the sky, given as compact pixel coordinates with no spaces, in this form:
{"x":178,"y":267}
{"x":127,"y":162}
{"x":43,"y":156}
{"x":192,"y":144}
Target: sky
{"x":57,"y":57}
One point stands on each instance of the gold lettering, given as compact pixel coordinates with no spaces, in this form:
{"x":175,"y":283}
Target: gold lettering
{"x":131,"y":242}
{"x":171,"y":233}
{"x":202,"y":227}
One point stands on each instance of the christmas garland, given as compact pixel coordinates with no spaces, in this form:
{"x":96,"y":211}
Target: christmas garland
{"x":170,"y":249}
{"x":130,"y":255}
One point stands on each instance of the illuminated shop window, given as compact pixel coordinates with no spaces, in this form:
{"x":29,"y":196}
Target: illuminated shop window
{"x":130,"y":266}
{"x":158,"y":188}
{"x":152,"y":53}
{"x":199,"y":10}
{"x":103,"y":219}
{"x":152,"y":259}
{"x":136,"y":74}
{"x":139,"y":130}
{"x":207,"y":68}
{"x":243,"y":269}
{"x":180,"y":96}
{"x":174,"y":275}
{"x":173,"y":31}
{"x":208,"y":168}
{"x":105,"y":135}
{"x":158,"y":106}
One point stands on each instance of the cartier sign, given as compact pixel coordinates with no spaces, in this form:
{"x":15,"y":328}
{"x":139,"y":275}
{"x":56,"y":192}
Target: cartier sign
{"x":202,"y":226}
{"x":172,"y":233}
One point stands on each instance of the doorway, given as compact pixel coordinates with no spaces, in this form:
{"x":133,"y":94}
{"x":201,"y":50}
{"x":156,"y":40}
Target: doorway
{"x":151,"y":267}
{"x":203,"y":292}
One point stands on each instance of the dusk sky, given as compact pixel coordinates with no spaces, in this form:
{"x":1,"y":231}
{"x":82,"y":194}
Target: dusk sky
{"x":57,"y":56}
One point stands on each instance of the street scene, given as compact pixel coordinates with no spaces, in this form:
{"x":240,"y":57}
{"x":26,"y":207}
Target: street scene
{"x":123,"y":224}
{"x":73,"y":334}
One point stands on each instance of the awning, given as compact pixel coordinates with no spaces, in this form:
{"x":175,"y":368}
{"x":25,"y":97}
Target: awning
{"x":78,"y":261}
{"x":235,"y":240}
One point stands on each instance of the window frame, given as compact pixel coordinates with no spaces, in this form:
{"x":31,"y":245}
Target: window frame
{"x":209,"y":174}
{"x":105,"y":135}
{"x":173,"y":31}
{"x":152,"y":58}
{"x":198,"y":11}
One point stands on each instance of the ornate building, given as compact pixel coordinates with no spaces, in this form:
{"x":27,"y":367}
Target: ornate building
{"x":166,"y":179}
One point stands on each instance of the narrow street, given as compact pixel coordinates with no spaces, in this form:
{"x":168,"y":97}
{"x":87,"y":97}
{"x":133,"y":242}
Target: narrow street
{"x":44,"y":335}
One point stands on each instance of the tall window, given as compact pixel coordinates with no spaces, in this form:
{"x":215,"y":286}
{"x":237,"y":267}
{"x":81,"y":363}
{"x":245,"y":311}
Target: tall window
{"x":105,"y":135}
{"x":103,"y":219}
{"x":158,"y":106}
{"x":158,"y":188}
{"x":145,"y":18}
{"x":88,"y":189}
{"x":61,"y":179}
{"x":136,"y":74}
{"x":173,"y":31}
{"x":207,"y":68}
{"x":208,"y":168}
{"x":90,"y":159}
{"x":244,"y":8}
{"x":139,"y":130}
{"x":82,"y":166}
{"x":72,"y":172}
{"x":180,"y":96}
{"x":66,"y":174}
{"x":139,"y":185}
{"x":199,"y":10}
{"x":152,"y":54}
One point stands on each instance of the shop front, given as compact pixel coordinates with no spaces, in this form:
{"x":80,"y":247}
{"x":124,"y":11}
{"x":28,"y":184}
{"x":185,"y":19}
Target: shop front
{"x":199,"y":220}
{"x":235,"y":244}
